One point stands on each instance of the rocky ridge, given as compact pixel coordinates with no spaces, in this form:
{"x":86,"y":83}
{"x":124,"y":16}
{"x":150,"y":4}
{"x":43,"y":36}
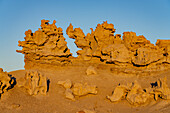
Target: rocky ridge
{"x":48,"y":46}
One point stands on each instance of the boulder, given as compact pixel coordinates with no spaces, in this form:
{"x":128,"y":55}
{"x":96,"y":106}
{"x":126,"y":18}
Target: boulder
{"x":83,"y":89}
{"x":77,"y":89}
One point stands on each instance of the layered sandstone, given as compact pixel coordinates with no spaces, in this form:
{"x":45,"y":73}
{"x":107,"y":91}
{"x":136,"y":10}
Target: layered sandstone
{"x":46,"y":45}
{"x":165,"y":47}
{"x":101,"y":46}
{"x":132,"y":50}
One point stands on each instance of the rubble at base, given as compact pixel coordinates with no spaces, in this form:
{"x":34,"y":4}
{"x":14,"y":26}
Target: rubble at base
{"x":136,"y":95}
{"x":77,"y":89}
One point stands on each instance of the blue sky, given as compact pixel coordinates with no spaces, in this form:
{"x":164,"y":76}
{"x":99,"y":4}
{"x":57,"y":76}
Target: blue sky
{"x":150,"y":18}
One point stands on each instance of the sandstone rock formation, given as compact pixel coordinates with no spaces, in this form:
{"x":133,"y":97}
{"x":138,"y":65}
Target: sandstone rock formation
{"x":136,"y":95}
{"x":92,"y":44}
{"x":118,"y":94}
{"x":67,"y":84}
{"x":6,"y":81}
{"x":132,"y":50}
{"x":143,"y":52}
{"x":161,"y":90}
{"x":83,"y":89}
{"x":34,"y":83}
{"x":77,"y":89}
{"x":165,"y":47}
{"x":91,"y":70}
{"x":46,"y":45}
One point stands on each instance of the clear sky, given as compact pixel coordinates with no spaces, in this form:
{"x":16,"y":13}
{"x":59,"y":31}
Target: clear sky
{"x":150,"y":18}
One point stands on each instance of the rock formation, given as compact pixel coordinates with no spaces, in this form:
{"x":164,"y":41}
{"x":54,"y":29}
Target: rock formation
{"x":136,"y":95}
{"x":92,"y":44}
{"x":165,"y":47}
{"x":91,"y":71}
{"x":34,"y":83}
{"x":77,"y":89}
{"x":46,"y":45}
{"x":132,"y":50}
{"x":101,"y":46}
{"x":83,"y":89}
{"x":6,"y":81}
{"x":161,"y":89}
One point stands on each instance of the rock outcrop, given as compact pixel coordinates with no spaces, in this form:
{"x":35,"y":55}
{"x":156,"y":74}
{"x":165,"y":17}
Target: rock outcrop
{"x":34,"y":83}
{"x":133,"y":50}
{"x":136,"y":95}
{"x":77,"y":89}
{"x":46,"y":45}
{"x":165,"y":47}
{"x":6,"y":81}
{"x":143,"y":52}
{"x":161,"y":89}
{"x":92,"y":44}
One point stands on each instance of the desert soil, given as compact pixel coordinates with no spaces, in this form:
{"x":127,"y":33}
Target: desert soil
{"x":17,"y":100}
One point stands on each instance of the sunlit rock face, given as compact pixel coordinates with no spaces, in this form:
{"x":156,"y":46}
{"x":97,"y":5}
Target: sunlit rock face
{"x":46,"y":45}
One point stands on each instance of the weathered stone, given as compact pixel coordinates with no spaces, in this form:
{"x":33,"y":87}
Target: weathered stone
{"x":118,"y":94}
{"x":165,"y":47}
{"x":33,"y":82}
{"x":92,"y":44}
{"x":116,"y":53}
{"x":83,"y":89}
{"x":133,"y":42}
{"x":46,"y":45}
{"x":162,"y":90}
{"x":77,"y":89}
{"x":6,"y":81}
{"x":69,"y":94}
{"x":66,"y":84}
{"x":145,"y":56}
{"x":136,"y":95}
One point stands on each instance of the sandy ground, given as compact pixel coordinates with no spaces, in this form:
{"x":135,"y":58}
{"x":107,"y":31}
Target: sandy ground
{"x":17,"y":100}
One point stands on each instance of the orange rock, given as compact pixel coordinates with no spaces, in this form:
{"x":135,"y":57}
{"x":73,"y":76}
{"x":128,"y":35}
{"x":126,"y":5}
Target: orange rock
{"x":165,"y":46}
{"x":133,"y":42}
{"x":92,"y":44}
{"x":34,"y":83}
{"x":47,"y":44}
{"x":6,"y":81}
